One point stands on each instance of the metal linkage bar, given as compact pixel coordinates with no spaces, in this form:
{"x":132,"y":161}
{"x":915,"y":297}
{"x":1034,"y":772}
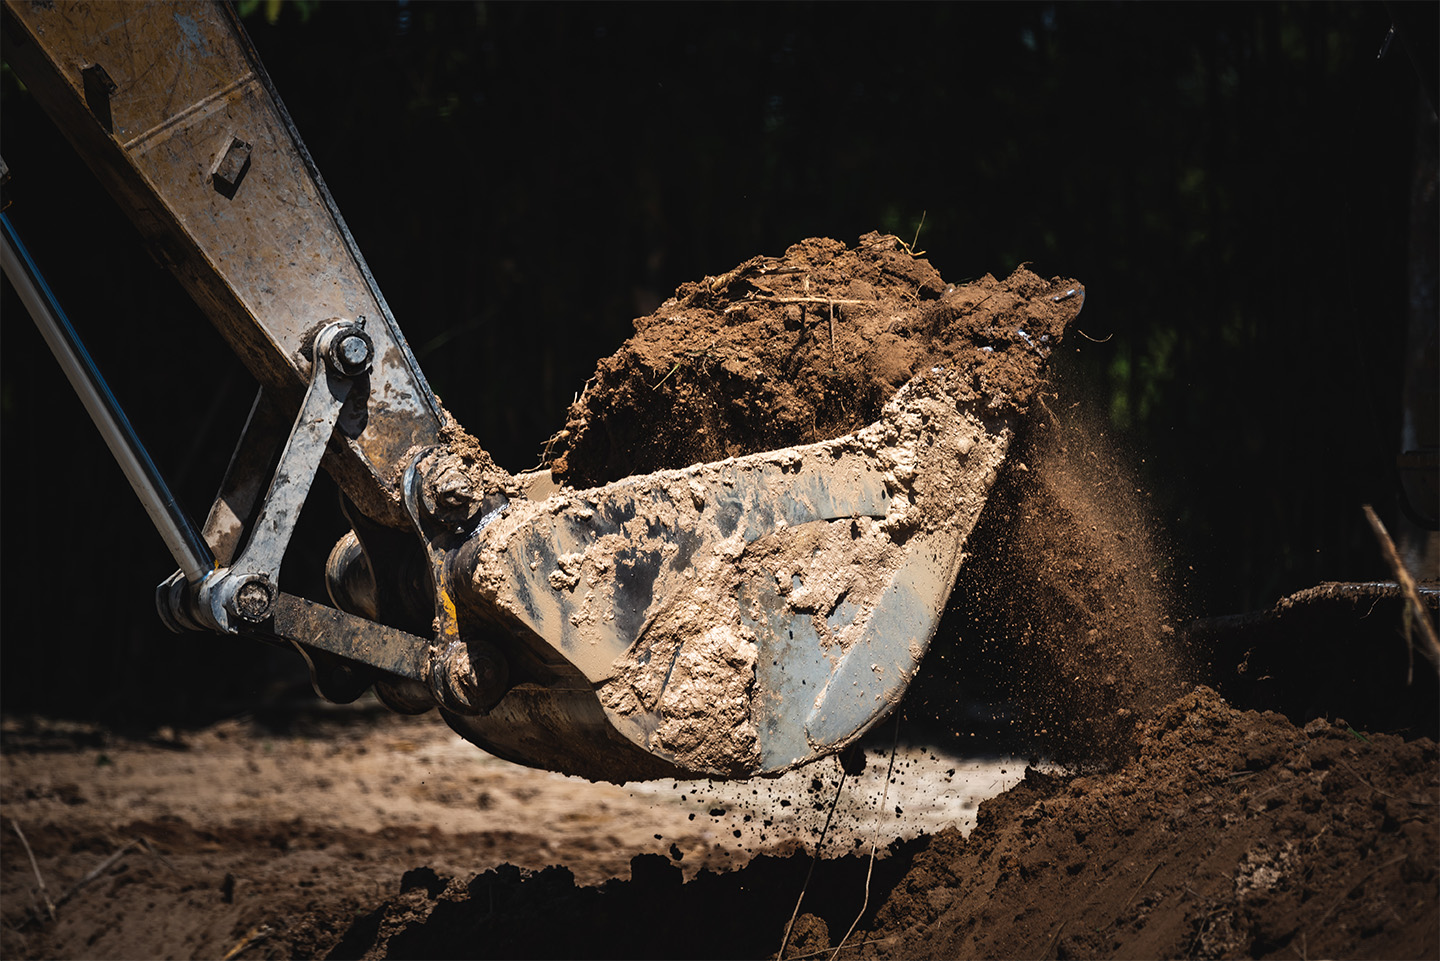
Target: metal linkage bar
{"x":342,"y":353}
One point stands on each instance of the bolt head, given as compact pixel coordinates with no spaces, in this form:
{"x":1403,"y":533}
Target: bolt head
{"x":351,"y":353}
{"x":251,"y":601}
{"x":450,"y":497}
{"x":453,"y":489}
{"x":355,"y":350}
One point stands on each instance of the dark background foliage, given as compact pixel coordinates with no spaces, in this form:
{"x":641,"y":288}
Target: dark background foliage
{"x":1232,"y":182}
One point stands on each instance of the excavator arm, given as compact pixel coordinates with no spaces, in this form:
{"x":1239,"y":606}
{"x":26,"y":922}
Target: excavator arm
{"x":730,"y":619}
{"x":169,"y":106}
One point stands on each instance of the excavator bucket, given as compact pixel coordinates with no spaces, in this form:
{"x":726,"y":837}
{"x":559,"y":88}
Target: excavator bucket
{"x":750,"y":614}
{"x":735,"y":618}
{"x":729,"y":619}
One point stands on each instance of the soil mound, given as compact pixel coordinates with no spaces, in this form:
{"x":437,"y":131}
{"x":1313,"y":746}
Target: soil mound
{"x":1232,"y":834}
{"x":801,"y":348}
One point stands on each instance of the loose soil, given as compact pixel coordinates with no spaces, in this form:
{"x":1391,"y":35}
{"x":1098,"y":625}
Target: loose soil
{"x":1170,"y":820}
{"x":802,"y":348}
{"x":1230,"y":834}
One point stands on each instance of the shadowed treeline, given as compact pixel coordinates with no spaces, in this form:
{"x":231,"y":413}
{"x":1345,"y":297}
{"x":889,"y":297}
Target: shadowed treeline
{"x":1232,"y":182}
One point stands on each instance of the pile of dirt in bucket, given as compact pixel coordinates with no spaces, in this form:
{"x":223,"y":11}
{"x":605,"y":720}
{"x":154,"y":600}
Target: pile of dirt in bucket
{"x":801,"y":348}
{"x":858,"y":373}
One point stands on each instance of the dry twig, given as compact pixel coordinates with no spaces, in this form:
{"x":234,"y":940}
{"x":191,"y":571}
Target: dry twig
{"x":875,"y":842}
{"x":711,"y":285}
{"x":785,"y":941}
{"x":98,"y":870}
{"x":1431,"y":648}
{"x":857,"y":944}
{"x":150,"y":848}
{"x":910,"y":247}
{"x":44,"y":891}
{"x":1054,"y":940}
{"x":1137,"y":891}
{"x":256,"y":934}
{"x":812,"y":299}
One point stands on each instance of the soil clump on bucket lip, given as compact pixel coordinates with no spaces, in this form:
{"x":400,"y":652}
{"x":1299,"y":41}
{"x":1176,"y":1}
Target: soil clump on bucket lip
{"x":801,"y":348}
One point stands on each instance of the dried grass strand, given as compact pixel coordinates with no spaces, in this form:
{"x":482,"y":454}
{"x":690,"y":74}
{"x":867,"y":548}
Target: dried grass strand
{"x":819,"y":845}
{"x":1431,"y":647}
{"x":39,"y":878}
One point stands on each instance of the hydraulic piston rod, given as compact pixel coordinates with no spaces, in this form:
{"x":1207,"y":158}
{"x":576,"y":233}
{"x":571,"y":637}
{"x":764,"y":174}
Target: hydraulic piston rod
{"x":178,"y":531}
